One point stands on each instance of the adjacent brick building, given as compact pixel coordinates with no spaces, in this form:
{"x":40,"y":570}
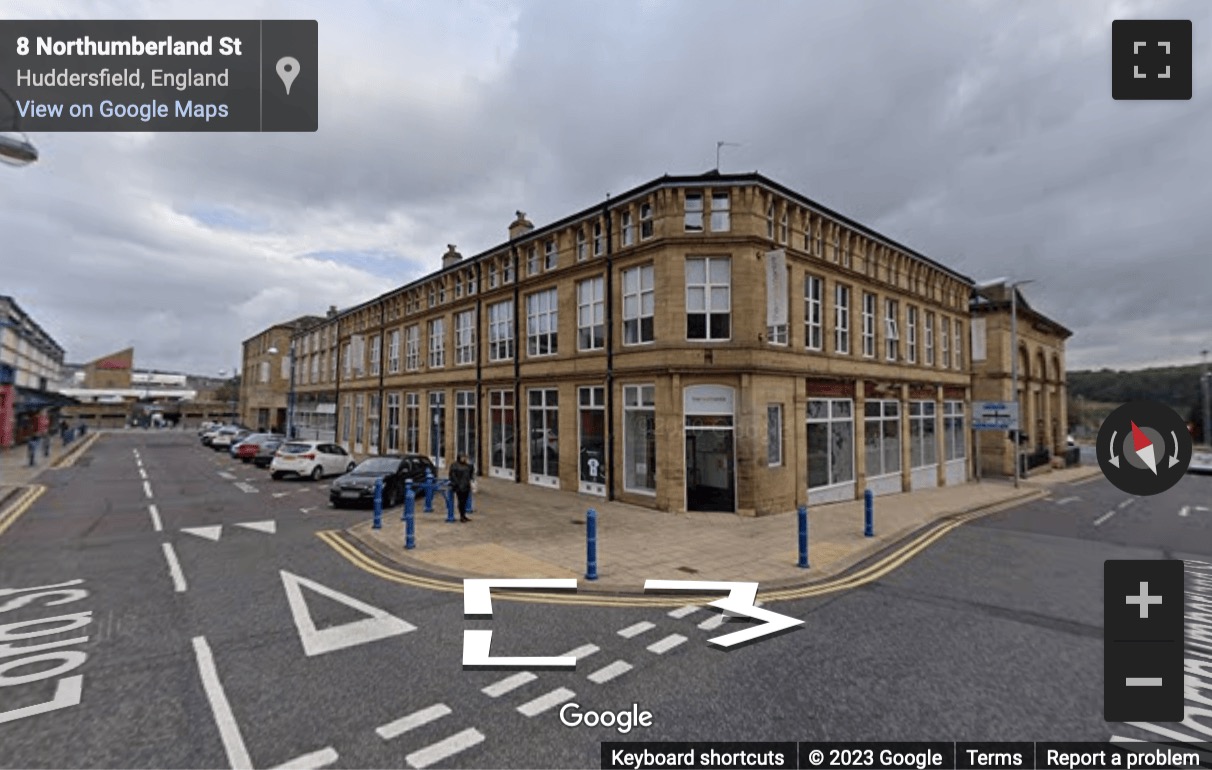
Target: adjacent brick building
{"x":713,"y":342}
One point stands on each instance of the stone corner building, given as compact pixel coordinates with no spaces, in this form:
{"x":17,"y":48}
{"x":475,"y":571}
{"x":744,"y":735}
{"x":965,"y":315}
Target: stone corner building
{"x":715,"y":342}
{"x":1042,"y":397}
{"x":266,"y":385}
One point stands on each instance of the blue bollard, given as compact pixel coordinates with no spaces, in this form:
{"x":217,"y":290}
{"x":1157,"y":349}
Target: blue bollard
{"x":378,"y":504}
{"x":429,"y":488}
{"x":802,"y":515}
{"x":868,"y":513}
{"x":410,"y":499}
{"x":410,"y":527}
{"x":591,"y":545}
{"x":448,"y":496}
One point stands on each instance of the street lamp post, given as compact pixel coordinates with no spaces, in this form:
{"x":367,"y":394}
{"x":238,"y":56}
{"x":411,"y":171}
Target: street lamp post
{"x":15,"y":147}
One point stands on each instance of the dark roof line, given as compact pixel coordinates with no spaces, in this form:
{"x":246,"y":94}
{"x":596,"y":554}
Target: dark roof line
{"x":666,"y":180}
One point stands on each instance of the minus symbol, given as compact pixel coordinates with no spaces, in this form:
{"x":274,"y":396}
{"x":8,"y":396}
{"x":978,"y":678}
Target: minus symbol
{"x":1144,"y":681}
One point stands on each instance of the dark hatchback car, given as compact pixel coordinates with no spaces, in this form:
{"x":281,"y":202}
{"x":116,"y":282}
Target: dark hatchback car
{"x":358,"y":486}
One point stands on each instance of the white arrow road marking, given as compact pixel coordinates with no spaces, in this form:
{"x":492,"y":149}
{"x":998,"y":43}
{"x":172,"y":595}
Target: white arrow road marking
{"x":1067,"y":500}
{"x":210,"y":533}
{"x":436,"y":752}
{"x":379,"y":625}
{"x":226,"y":475}
{"x":269,"y":527}
{"x":281,"y":494}
{"x":249,"y":488}
{"x":740,"y":601}
{"x":1186,"y":509}
{"x":1099,"y":521}
{"x":317,"y":759}
{"x":412,"y":721}
{"x":229,"y":731}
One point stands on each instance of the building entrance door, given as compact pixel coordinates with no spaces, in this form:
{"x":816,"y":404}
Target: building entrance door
{"x":710,"y":449}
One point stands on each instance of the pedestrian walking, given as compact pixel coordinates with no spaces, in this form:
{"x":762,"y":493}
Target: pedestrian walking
{"x":32,"y":447}
{"x":461,"y":475}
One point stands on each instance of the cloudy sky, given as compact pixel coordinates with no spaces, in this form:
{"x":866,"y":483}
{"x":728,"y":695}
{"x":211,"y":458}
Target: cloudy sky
{"x":982,"y":134}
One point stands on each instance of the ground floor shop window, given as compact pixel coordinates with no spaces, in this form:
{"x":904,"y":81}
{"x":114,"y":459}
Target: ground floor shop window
{"x":501,"y":433}
{"x":393,"y":422}
{"x":412,"y":423}
{"x":953,"y":430}
{"x":830,"y":441}
{"x":882,"y":437}
{"x":639,"y":438}
{"x":922,"y":427}
{"x":591,"y":422}
{"x":465,"y":424}
{"x":545,"y":436}
{"x":437,"y":427}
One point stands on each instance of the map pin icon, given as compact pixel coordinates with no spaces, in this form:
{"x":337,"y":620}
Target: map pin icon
{"x":288,"y":70}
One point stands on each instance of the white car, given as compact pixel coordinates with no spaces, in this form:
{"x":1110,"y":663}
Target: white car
{"x":1201,"y":462}
{"x":315,"y":459}
{"x":226,"y":437}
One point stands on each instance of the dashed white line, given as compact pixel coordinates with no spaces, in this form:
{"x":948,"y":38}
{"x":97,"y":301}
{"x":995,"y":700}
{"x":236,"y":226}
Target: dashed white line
{"x":584,"y":651}
{"x":174,"y":568}
{"x":412,"y":721}
{"x":226,"y":475}
{"x":142,"y":473}
{"x":713,"y":622}
{"x":229,"y":731}
{"x":497,"y":689}
{"x":1104,"y":517}
{"x":607,"y":673}
{"x":682,"y":612}
{"x":1126,"y":503}
{"x":444,"y":748}
{"x":316,"y":759}
{"x":545,"y":702}
{"x":249,"y":488}
{"x":155,"y":516}
{"x":666,"y":644}
{"x":1067,"y":500}
{"x":147,"y":489}
{"x":636,"y":629}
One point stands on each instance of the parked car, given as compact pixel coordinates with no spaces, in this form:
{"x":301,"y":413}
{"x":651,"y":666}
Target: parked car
{"x":266,"y":451}
{"x":1201,"y":462}
{"x":226,"y":437}
{"x":209,"y":436}
{"x":358,"y":486}
{"x":310,"y":458}
{"x":246,"y":450}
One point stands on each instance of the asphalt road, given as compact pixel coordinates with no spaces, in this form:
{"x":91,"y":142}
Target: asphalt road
{"x":182,"y":644}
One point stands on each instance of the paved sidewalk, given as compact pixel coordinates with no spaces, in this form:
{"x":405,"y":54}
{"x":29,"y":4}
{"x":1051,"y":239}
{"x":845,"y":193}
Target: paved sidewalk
{"x":522,"y":532}
{"x":16,"y":473}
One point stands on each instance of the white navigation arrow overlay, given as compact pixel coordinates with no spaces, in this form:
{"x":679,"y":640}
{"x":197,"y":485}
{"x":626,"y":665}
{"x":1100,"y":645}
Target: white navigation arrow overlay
{"x":1174,"y":457}
{"x":317,"y":641}
{"x":739,"y":602}
{"x":210,"y":533}
{"x":1114,"y":457}
{"x":268,"y":527}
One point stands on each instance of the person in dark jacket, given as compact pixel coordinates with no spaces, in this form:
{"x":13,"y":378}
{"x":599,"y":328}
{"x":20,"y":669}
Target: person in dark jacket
{"x":461,"y":474}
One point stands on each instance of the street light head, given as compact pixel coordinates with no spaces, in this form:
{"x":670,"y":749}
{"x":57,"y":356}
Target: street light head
{"x":273,"y":351}
{"x":16,"y":149}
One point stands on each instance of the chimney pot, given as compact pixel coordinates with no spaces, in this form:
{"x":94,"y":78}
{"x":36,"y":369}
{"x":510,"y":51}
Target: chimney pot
{"x":451,"y":256}
{"x":520,"y":226}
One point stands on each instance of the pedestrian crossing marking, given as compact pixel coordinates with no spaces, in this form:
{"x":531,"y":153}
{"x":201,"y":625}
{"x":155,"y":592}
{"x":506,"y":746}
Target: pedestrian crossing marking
{"x":412,"y":721}
{"x":210,"y":533}
{"x":637,"y":629}
{"x":546,"y":702}
{"x":603,"y":675}
{"x":508,"y":684}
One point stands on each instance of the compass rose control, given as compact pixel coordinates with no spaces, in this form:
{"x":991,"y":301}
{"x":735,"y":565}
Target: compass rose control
{"x":1144,"y":448}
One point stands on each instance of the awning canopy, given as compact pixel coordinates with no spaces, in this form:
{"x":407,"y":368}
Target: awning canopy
{"x":30,"y":400}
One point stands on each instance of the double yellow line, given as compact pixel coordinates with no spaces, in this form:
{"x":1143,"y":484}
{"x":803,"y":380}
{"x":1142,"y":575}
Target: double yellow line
{"x":14,"y":511}
{"x":906,"y":551}
{"x":68,"y":459}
